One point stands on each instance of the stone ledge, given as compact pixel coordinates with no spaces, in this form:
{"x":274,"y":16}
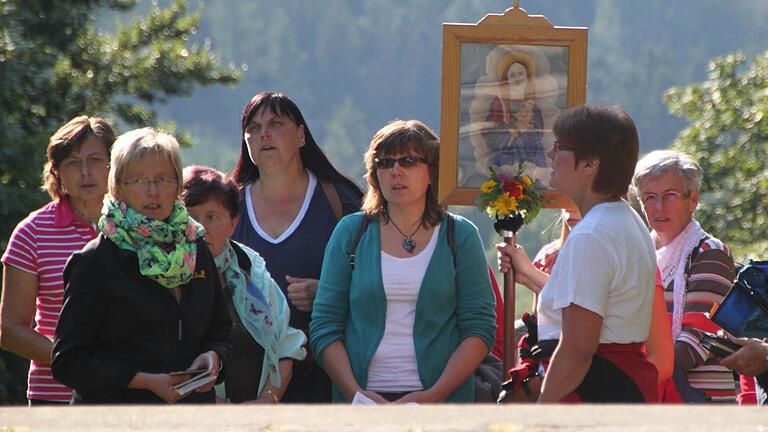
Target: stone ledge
{"x":453,"y":418}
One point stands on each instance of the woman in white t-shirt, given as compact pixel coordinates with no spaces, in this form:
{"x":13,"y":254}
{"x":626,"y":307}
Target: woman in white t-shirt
{"x":597,"y":301}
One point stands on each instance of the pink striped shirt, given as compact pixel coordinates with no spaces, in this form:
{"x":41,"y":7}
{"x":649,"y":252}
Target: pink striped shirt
{"x":41,"y":244}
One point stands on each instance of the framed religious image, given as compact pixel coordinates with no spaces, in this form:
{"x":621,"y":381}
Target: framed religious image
{"x":505,"y":81}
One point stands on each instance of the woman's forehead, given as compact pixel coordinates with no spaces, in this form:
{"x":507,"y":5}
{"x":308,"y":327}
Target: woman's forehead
{"x":663,"y":181}
{"x":268,"y":111}
{"x":399,"y":148}
{"x":149,"y":161}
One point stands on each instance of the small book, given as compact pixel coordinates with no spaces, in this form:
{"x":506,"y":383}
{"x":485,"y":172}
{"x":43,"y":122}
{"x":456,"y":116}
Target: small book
{"x":361,"y":399}
{"x":197,"y":381}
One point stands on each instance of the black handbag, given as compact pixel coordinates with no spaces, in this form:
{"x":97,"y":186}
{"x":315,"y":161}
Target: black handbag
{"x":488,"y":378}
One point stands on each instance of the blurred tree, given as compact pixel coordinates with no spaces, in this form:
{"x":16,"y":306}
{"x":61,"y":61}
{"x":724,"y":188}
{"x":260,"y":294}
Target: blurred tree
{"x":55,"y":65}
{"x":728,"y":134}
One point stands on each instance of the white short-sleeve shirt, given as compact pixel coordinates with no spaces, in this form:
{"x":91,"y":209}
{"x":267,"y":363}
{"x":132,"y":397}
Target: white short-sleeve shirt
{"x":608,"y":266}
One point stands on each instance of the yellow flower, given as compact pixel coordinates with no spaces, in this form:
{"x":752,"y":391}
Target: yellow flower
{"x":504,"y":205}
{"x":488,"y":186}
{"x":526,"y":180}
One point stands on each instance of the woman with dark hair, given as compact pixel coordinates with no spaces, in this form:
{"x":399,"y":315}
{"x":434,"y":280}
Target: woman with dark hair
{"x":292,"y":198}
{"x":263,"y":346}
{"x":596,"y":305}
{"x":407,"y":315}
{"x":75,"y":177}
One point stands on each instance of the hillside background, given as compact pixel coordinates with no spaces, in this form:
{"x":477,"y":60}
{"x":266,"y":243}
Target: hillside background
{"x":353,"y":65}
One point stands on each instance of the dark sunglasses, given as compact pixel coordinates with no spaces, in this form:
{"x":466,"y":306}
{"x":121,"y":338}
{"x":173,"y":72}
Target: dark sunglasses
{"x":404,"y":162}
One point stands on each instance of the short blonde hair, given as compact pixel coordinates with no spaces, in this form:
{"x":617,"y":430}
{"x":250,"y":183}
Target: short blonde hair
{"x":135,"y":144}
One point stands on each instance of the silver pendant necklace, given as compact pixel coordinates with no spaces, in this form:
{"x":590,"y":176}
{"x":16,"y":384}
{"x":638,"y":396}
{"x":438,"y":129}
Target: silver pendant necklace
{"x":408,"y":243}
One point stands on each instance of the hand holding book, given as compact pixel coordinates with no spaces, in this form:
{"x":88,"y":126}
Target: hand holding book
{"x":204,"y":371}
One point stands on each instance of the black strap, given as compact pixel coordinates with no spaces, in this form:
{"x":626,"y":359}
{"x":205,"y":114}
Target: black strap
{"x":692,"y":257}
{"x":364,"y":221}
{"x":451,"y":237}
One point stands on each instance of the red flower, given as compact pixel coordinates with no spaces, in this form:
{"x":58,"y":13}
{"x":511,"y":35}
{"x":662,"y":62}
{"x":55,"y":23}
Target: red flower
{"x":513,"y":188}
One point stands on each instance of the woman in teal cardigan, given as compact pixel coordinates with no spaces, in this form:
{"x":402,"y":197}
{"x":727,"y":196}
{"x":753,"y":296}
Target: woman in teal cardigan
{"x":402,"y":316}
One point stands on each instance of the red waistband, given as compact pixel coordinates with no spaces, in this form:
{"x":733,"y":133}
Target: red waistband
{"x":606,"y":348}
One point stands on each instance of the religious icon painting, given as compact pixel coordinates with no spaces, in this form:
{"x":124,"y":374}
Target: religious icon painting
{"x":506,"y":79}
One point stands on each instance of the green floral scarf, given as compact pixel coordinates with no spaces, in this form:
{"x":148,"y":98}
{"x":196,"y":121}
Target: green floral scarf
{"x":166,"y":250}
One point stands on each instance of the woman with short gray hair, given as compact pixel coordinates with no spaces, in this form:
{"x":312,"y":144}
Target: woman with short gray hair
{"x":696,"y":270}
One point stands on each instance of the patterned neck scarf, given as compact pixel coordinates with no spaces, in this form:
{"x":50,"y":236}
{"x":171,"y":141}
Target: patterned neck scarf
{"x":672,"y":260}
{"x":252,"y":306}
{"x":166,"y":249}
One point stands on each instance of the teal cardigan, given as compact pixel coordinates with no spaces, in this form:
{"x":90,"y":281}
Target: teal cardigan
{"x":453,"y":303}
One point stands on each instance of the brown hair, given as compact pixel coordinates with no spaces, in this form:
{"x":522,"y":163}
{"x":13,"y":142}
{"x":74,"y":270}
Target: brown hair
{"x":67,"y":139}
{"x":400,"y":137}
{"x":203,"y":184}
{"x":606,"y":134}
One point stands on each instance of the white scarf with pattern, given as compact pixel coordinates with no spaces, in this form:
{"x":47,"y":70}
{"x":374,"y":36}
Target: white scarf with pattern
{"x":672,"y":260}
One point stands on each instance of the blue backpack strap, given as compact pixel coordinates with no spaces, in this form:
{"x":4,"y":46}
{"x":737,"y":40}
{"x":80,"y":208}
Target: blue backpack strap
{"x":360,"y":230}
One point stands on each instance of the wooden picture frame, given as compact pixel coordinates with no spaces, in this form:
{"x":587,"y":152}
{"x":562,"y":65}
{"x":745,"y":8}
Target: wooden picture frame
{"x":505,"y":81}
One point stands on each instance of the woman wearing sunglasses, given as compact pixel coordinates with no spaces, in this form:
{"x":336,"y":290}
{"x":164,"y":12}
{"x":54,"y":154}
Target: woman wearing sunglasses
{"x":399,"y":317}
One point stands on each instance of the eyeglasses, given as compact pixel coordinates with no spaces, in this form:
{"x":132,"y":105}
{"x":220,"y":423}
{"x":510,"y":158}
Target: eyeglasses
{"x":668,"y":197}
{"x":559,"y":147}
{"x":404,"y":162}
{"x":162,"y":183}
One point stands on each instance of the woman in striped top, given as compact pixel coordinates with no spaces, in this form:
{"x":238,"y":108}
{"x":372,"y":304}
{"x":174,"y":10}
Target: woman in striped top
{"x":75,"y":176}
{"x":696,"y":270}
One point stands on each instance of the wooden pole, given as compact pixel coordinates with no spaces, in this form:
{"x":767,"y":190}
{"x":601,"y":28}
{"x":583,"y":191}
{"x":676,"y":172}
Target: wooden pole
{"x":510,"y":346}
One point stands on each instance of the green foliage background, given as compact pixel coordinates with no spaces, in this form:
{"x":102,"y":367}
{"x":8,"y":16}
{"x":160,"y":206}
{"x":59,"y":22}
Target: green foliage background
{"x":353,"y":65}
{"x":728,"y":134}
{"x":55,"y":64}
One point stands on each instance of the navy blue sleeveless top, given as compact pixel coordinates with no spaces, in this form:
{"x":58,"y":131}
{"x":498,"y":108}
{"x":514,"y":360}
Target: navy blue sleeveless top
{"x":301,"y":253}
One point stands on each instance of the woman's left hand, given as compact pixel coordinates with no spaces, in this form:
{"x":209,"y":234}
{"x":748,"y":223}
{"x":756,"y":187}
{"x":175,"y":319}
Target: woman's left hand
{"x":417,"y":397}
{"x":301,"y":292}
{"x":208,"y":360}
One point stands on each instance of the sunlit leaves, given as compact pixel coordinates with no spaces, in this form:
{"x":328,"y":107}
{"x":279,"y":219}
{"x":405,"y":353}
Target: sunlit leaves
{"x":728,"y":134}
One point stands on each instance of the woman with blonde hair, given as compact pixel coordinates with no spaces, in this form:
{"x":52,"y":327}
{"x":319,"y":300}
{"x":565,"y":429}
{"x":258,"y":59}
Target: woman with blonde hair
{"x":143,"y":302}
